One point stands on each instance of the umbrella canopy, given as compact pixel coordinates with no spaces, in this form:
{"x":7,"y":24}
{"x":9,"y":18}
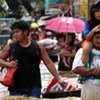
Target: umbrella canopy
{"x":65,"y":24}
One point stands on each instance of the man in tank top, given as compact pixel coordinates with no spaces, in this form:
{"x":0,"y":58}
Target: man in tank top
{"x":27,"y":78}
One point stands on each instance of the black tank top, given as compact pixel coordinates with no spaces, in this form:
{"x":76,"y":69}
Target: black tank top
{"x":27,"y":75}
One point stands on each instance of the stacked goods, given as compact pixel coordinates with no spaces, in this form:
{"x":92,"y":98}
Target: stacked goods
{"x":55,"y":87}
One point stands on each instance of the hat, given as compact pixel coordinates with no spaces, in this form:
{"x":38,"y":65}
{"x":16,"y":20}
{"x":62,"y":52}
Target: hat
{"x":49,"y":33}
{"x":34,"y":25}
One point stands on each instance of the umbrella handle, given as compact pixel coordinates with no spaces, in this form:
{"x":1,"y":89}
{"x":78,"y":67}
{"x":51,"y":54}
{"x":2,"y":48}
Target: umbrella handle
{"x":63,"y":15}
{"x":66,"y":35}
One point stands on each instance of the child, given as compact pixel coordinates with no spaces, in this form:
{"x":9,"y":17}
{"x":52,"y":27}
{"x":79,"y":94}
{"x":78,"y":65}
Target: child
{"x":60,"y":45}
{"x":67,"y":54}
{"x":66,"y":61}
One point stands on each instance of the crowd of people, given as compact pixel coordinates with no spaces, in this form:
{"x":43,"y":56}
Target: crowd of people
{"x":29,"y":46}
{"x":30,"y":43}
{"x":28,"y":53}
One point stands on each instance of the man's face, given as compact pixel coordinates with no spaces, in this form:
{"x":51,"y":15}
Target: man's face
{"x":96,"y":41}
{"x":20,"y":36}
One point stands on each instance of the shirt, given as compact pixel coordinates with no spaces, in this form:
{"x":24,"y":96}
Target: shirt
{"x":86,"y":30}
{"x":77,"y":60}
{"x":94,"y":61}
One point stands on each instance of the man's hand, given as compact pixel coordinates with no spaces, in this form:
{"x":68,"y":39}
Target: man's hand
{"x":97,"y":71}
{"x":96,"y":29}
{"x":62,"y":83}
{"x":12,"y":63}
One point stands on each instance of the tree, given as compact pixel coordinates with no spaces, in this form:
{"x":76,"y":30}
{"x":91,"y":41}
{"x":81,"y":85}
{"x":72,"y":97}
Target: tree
{"x":38,"y":8}
{"x":3,"y":13}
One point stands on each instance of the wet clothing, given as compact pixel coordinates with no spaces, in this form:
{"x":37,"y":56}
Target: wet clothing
{"x":27,"y":75}
{"x":36,"y":92}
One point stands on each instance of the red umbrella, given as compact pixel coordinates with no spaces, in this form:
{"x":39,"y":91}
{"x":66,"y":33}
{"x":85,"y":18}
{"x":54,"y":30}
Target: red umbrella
{"x":65,"y":24}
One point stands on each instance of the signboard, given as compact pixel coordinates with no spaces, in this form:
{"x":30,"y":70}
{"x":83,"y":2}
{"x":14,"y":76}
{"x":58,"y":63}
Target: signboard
{"x":52,"y":11}
{"x":52,"y":3}
{"x":52,"y":7}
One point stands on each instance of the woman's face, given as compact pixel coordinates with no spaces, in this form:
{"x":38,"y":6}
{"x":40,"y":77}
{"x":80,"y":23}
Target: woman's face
{"x":96,"y":41}
{"x":97,"y":14}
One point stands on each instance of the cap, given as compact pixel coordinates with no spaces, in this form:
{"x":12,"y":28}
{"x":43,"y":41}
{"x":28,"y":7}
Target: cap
{"x":34,"y":25}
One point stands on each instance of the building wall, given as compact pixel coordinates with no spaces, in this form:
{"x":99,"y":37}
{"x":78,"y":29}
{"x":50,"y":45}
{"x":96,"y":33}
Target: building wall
{"x":81,"y":8}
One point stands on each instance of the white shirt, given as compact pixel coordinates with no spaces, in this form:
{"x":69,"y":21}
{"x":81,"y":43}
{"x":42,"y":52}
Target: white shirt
{"x":77,"y":60}
{"x":48,"y":42}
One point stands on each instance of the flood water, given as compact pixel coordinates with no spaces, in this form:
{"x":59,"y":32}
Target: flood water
{"x":46,"y":77}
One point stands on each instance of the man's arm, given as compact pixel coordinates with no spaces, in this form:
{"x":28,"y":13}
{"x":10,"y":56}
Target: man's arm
{"x":4,"y":54}
{"x":90,"y":34}
{"x":50,"y":65}
{"x":47,"y":61}
{"x":97,"y":71}
{"x":83,"y":71}
{"x":78,"y":67}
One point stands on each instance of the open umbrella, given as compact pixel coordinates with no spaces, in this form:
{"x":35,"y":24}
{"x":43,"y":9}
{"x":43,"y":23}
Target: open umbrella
{"x":65,"y":24}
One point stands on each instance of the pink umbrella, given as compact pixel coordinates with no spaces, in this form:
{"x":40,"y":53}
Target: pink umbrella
{"x":65,"y":24}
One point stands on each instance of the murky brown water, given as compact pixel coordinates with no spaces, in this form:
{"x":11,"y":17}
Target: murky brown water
{"x":46,"y":76}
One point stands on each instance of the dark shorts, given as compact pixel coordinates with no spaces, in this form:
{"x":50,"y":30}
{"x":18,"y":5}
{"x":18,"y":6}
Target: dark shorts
{"x":35,"y":92}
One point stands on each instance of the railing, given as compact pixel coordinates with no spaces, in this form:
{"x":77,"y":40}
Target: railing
{"x":5,"y":23}
{"x":4,"y":39}
{"x":7,"y":19}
